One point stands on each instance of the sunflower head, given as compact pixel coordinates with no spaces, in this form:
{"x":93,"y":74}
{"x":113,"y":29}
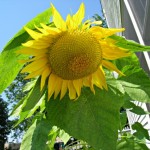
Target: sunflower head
{"x":71,"y":55}
{"x":75,"y":55}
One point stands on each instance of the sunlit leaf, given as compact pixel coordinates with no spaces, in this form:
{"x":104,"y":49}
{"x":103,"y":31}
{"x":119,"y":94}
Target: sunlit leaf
{"x":9,"y":59}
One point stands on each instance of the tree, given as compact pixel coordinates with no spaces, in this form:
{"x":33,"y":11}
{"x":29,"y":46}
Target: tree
{"x":4,"y":122}
{"x":14,"y":93}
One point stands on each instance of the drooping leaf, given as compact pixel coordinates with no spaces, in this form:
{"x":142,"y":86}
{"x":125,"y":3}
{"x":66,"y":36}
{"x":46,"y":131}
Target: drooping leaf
{"x":9,"y":59}
{"x":130,"y":45}
{"x":92,"y":118}
{"x":28,"y":86}
{"x":36,"y":136}
{"x":34,"y":97}
{"x":31,"y":102}
{"x":37,"y":105}
{"x":17,"y":109}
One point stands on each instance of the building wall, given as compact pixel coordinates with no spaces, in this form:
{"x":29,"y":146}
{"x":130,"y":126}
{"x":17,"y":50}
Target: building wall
{"x":111,"y":20}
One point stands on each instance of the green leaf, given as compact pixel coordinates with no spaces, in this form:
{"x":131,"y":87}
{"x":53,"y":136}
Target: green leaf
{"x":36,"y":136}
{"x":9,"y":59}
{"x":130,"y":45}
{"x":37,"y":105}
{"x":133,"y":108}
{"x":29,"y":86}
{"x":17,"y":109}
{"x":34,"y":97}
{"x":130,"y":69}
{"x":131,"y":61}
{"x":31,"y":102}
{"x":115,"y":85}
{"x":140,"y":133}
{"x":131,"y":144}
{"x":137,"y":85}
{"x":92,"y":118}
{"x":56,"y":132}
{"x":9,"y":68}
{"x":64,"y":136}
{"x":52,"y":138}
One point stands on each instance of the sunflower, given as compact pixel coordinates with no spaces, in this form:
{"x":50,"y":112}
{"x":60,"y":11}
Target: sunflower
{"x":71,"y":54}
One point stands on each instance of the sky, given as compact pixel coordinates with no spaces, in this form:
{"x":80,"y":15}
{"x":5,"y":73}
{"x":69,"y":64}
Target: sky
{"x":14,"y":14}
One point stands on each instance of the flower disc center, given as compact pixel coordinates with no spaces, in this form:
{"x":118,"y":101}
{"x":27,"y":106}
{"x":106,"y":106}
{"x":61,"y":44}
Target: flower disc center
{"x":75,"y":55}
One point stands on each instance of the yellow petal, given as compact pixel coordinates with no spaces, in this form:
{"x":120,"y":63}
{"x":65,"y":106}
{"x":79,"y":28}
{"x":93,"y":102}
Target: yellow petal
{"x":96,"y":22}
{"x":63,"y":88}
{"x":33,"y":34}
{"x":41,"y":30}
{"x":69,"y":22}
{"x":35,"y":73}
{"x":113,"y":52}
{"x":101,"y":76}
{"x":111,"y":66}
{"x":97,"y":80}
{"x":50,"y":30}
{"x":37,"y":44}
{"x":57,"y":18}
{"x":51,"y":85}
{"x":72,"y":91}
{"x":78,"y":84}
{"x":78,"y":17}
{"x":87,"y":81}
{"x":91,"y":84}
{"x":45,"y":74}
{"x":100,"y":32}
{"x":34,"y":66}
{"x":31,"y":51}
{"x":33,"y":59}
{"x":58,"y":87}
{"x":86,"y":25}
{"x":24,"y":61}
